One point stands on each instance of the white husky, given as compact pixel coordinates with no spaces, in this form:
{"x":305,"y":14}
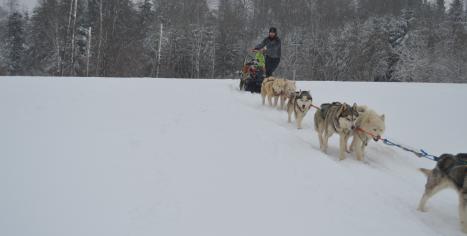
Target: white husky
{"x":369,"y":125}
{"x":288,"y":94}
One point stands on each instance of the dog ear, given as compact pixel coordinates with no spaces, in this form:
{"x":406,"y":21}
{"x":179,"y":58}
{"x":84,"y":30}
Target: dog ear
{"x":341,"y":110}
{"x":355,"y":107}
{"x":426,"y":172}
{"x":344,"y":106}
{"x":383,"y":117}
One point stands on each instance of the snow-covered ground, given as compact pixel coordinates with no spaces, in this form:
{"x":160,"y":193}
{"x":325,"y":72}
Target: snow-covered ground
{"x":198,"y":157}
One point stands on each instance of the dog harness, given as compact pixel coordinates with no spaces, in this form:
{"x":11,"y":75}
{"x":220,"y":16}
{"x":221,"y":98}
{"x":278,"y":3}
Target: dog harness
{"x":454,"y":167}
{"x":325,"y":108}
{"x":335,"y":121}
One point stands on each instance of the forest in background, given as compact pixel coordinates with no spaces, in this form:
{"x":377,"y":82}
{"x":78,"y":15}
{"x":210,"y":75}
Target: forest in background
{"x":345,"y":40}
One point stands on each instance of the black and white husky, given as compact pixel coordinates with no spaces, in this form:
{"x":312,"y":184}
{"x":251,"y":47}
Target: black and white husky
{"x":299,"y":104}
{"x":449,"y":172}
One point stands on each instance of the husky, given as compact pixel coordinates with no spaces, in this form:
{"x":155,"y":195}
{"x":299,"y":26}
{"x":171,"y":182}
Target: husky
{"x":369,"y":126}
{"x":272,"y":88}
{"x":450,"y":172}
{"x":337,"y":118}
{"x":288,"y":93}
{"x":299,"y":104}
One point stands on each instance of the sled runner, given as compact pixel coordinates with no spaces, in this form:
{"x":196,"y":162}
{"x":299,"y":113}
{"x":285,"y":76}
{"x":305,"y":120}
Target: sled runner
{"x":252,"y":74}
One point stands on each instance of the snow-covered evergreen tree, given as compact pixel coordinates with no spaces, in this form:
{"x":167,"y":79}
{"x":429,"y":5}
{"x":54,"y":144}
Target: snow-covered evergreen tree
{"x":15,"y":55}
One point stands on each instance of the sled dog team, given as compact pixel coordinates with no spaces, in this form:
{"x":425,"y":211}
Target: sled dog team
{"x":363,"y":124}
{"x":331,"y":118}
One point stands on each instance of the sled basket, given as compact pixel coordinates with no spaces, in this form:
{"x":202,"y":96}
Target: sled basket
{"x":252,"y":73}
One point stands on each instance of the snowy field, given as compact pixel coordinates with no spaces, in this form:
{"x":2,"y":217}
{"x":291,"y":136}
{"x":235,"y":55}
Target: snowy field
{"x":198,"y":157}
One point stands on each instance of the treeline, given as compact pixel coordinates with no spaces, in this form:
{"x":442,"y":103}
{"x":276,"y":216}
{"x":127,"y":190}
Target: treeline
{"x":351,"y":40}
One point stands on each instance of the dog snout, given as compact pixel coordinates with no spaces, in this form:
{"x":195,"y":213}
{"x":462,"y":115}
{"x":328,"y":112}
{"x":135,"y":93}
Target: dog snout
{"x":303,"y":106}
{"x":353,"y":127}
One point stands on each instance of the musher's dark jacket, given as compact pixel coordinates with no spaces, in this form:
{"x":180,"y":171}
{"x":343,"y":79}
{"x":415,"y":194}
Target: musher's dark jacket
{"x":273,"y":47}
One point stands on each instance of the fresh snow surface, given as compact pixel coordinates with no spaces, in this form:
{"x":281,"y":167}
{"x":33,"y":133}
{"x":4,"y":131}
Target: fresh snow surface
{"x":166,"y":157}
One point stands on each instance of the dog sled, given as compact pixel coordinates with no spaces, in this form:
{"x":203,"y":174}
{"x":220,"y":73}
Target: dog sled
{"x":253,"y":72}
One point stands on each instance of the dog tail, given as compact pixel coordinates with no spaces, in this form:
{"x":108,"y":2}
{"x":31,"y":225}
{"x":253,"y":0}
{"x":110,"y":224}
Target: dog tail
{"x":268,"y":79}
{"x":425,"y":171}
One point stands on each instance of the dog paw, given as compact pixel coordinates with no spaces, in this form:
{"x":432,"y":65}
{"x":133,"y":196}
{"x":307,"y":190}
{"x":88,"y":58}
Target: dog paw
{"x":464,"y":229}
{"x":421,"y":209}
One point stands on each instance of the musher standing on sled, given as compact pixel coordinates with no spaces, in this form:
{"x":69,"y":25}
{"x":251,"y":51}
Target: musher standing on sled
{"x":271,"y":47}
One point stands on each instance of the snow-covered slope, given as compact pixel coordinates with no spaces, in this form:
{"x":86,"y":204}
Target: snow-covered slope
{"x":198,"y":157}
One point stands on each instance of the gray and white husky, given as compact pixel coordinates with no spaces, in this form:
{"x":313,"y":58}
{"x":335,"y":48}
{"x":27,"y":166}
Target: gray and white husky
{"x":299,"y":104}
{"x":449,"y":172}
{"x":336,"y":118}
